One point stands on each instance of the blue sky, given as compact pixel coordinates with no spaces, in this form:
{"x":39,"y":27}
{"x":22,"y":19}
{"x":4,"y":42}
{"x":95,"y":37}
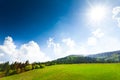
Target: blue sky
{"x":25,"y":20}
{"x":40,"y":30}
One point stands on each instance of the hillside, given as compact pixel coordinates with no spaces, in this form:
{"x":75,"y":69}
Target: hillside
{"x":113,"y":56}
{"x":71,"y":59}
{"x":71,"y":72}
{"x":108,"y":57}
{"x":105,"y":54}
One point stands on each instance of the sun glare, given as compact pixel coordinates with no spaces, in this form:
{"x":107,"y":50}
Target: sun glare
{"x":97,"y":13}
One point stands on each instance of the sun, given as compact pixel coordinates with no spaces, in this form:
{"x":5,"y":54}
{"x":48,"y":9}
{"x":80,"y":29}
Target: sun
{"x":97,"y":13}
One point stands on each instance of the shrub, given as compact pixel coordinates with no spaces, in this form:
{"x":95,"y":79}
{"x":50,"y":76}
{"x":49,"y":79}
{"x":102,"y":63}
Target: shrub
{"x":33,"y":66}
{"x":23,"y":70}
{"x":37,"y":66}
{"x":11,"y":72}
{"x":18,"y":71}
{"x":42,"y":66}
{"x":28,"y":67}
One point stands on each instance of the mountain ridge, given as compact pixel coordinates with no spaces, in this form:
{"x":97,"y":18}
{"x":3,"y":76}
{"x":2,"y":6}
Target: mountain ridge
{"x":105,"y":57}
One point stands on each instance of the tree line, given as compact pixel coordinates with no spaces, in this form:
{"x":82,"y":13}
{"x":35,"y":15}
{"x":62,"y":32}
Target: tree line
{"x":7,"y":69}
{"x":76,"y":59}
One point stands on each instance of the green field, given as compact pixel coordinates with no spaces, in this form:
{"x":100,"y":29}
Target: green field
{"x":71,"y":72}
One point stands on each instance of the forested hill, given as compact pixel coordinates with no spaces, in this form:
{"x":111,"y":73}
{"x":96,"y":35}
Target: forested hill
{"x":105,"y":54}
{"x":75,"y":59}
{"x":113,"y":56}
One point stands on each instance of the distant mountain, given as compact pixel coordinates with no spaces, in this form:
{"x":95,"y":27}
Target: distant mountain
{"x":113,"y":56}
{"x":104,"y":54}
{"x":75,"y":59}
{"x":105,"y":57}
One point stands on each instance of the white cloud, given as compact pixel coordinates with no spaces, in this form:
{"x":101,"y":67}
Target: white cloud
{"x":98,"y":33}
{"x":56,"y":47}
{"x":29,"y":51}
{"x":8,"y":50}
{"x":1,"y":54}
{"x":116,"y":14}
{"x":65,"y":47}
{"x":101,"y":41}
{"x":108,"y":43}
{"x":32,"y":52}
{"x":69,"y":42}
{"x":92,"y":45}
{"x":92,"y":41}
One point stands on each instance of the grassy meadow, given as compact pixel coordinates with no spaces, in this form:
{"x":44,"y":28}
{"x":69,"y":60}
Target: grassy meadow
{"x":71,"y":72}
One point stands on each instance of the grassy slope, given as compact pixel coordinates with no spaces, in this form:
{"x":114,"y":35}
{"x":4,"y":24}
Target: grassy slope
{"x":71,"y":72}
